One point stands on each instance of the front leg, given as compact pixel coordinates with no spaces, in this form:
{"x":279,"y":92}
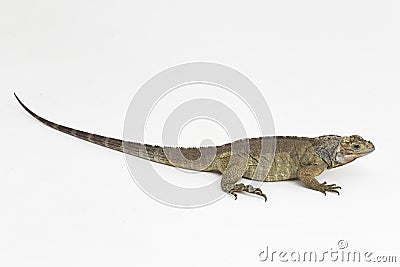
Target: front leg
{"x":307,"y":175}
{"x":229,"y":180}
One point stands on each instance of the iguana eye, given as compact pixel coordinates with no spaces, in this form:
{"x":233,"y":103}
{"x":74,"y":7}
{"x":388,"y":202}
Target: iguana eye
{"x":355,"y":146}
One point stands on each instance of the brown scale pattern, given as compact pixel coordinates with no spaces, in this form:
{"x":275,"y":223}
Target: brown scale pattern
{"x":263,"y":158}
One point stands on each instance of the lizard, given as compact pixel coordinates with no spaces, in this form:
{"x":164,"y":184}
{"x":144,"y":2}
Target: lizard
{"x":268,"y":158}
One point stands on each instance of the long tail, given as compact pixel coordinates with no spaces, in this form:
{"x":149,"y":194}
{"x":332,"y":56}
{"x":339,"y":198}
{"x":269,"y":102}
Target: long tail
{"x":144,"y":151}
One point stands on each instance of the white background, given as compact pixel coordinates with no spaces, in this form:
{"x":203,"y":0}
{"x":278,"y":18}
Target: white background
{"x":325,"y":67}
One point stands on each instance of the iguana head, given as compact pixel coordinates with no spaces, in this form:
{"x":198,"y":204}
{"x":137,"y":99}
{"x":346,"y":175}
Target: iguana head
{"x":350,"y":148}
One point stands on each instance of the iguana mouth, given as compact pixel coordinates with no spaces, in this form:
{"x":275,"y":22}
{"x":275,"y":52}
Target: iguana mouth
{"x":370,"y":149}
{"x":366,"y":153}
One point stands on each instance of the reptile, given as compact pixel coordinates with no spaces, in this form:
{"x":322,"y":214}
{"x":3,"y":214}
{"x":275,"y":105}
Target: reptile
{"x":269,"y":158}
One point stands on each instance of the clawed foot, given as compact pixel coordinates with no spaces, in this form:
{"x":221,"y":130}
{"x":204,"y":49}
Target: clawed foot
{"x":246,"y":188}
{"x":324,"y":187}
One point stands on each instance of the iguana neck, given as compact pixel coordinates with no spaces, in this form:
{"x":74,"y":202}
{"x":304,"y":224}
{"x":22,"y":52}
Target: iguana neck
{"x":325,"y":146}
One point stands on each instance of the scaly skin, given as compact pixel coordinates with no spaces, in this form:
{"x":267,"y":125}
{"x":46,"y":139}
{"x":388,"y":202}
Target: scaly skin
{"x":263,"y":159}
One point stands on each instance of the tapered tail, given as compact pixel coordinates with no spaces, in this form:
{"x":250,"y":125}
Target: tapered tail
{"x":131,"y":148}
{"x":144,"y":151}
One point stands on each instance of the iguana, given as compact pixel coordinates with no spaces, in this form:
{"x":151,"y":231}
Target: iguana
{"x":284,"y":157}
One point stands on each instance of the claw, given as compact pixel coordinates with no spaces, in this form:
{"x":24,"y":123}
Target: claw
{"x":260,"y":193}
{"x":264,"y":196}
{"x":335,"y":191}
{"x":233,"y":194}
{"x":248,"y":189}
{"x":324,"y":187}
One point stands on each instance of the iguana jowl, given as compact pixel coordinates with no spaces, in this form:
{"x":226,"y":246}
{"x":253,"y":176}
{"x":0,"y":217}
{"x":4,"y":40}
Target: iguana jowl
{"x":292,"y":157}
